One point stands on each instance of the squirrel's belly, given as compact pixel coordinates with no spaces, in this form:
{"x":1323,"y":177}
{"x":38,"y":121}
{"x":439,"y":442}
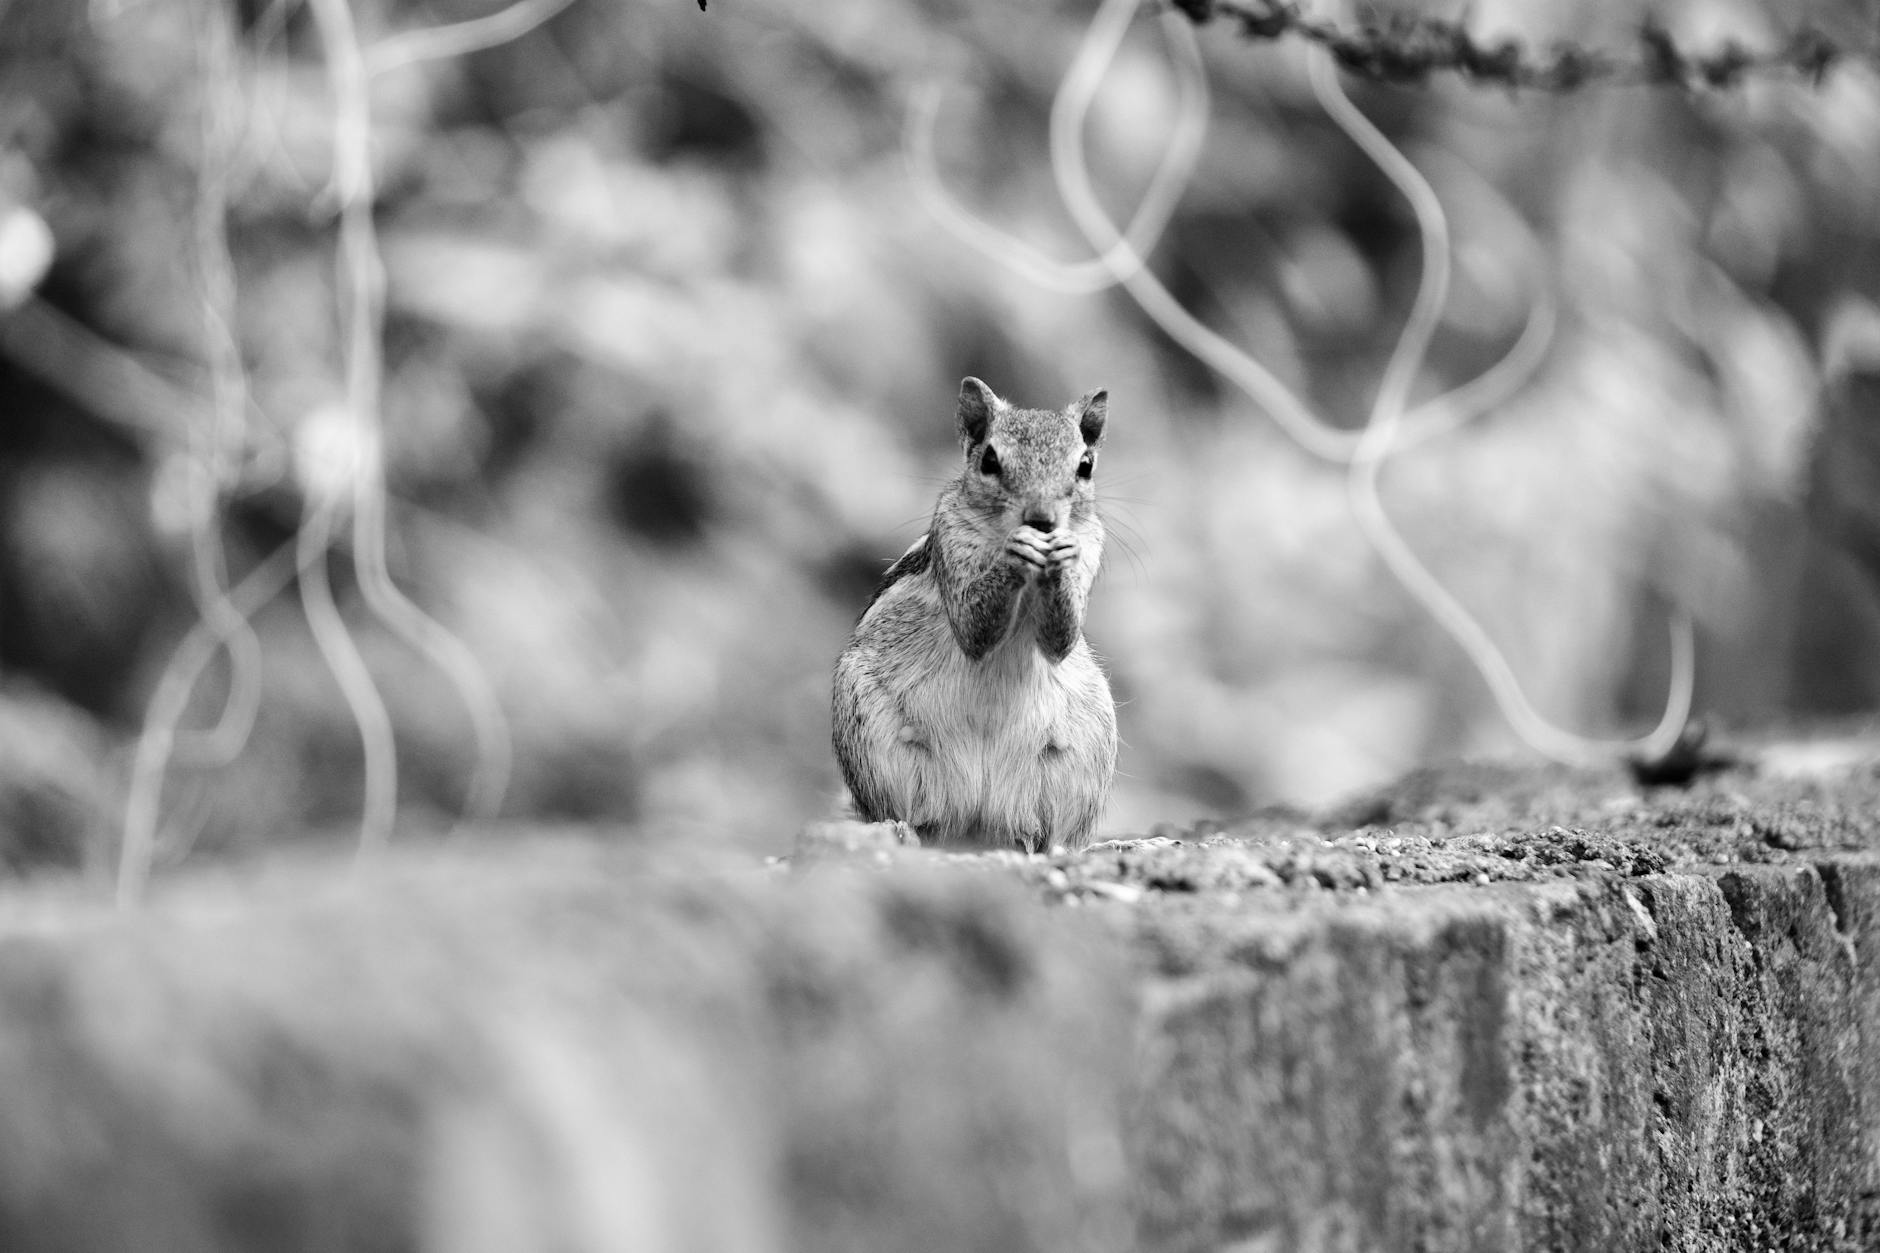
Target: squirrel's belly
{"x":1004,"y":755}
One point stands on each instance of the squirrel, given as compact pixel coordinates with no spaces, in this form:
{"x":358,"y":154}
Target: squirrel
{"x":968,"y":709}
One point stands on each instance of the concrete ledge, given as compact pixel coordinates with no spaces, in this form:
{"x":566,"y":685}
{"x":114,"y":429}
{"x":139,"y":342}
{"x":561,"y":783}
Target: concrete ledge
{"x":1495,"y":1009}
{"x":1589,"y":1019}
{"x":1681,"y":1061}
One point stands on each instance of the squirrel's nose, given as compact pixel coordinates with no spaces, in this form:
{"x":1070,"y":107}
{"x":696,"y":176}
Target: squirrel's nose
{"x":1042,"y":522}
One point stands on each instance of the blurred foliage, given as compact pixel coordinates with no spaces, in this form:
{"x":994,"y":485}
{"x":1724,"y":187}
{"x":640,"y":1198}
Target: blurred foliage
{"x":671,"y":352}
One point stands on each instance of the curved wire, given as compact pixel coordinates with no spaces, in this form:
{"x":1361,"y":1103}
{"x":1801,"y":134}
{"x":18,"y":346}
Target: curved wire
{"x":457,"y":39}
{"x":167,"y":705}
{"x":1376,"y":447}
{"x":1495,"y":386}
{"x":1068,"y":113}
{"x":1152,"y":215}
{"x":216,"y":451}
{"x":364,"y":275}
{"x":379,"y":805}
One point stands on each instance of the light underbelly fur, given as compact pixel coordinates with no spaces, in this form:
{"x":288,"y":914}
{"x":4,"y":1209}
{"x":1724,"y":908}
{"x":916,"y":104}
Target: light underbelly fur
{"x":1007,"y":750}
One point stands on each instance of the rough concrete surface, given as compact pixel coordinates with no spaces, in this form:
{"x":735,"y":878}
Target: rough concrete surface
{"x":1490,"y":1008}
{"x":1537,"y":1010}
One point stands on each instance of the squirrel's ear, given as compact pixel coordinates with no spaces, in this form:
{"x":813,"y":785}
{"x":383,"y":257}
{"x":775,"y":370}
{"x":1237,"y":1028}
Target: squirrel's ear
{"x":977,"y":404}
{"x":1092,"y":411}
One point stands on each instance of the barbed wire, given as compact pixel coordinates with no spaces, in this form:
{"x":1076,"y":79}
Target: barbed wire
{"x":1409,"y":48}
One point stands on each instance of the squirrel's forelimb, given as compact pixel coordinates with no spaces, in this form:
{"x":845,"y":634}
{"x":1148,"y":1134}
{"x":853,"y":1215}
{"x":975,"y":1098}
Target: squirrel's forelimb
{"x":982,"y":600}
{"x":1064,"y":593}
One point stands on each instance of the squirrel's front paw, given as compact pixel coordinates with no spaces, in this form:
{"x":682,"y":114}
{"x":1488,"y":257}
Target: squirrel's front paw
{"x":1061,"y":553}
{"x":1030,"y":549}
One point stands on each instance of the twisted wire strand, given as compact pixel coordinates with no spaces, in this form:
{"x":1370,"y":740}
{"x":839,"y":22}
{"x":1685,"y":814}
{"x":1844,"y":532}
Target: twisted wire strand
{"x":1411,"y":47}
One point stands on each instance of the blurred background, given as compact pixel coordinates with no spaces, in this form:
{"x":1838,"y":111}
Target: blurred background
{"x":670,"y":351}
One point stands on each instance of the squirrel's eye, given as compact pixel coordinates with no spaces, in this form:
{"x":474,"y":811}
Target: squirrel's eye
{"x":989,"y":461}
{"x":1087,"y":466}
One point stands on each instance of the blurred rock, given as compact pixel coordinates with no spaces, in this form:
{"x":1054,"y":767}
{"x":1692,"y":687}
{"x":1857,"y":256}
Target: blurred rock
{"x":547,"y":1046}
{"x":58,"y":796}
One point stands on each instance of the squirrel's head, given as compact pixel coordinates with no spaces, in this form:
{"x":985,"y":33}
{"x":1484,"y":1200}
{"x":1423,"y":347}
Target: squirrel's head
{"x":1032,"y":467}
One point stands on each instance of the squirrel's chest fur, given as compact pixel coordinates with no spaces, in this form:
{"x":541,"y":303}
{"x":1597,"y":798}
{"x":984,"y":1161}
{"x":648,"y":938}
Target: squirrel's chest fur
{"x":1008,"y":748}
{"x":1007,"y":701}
